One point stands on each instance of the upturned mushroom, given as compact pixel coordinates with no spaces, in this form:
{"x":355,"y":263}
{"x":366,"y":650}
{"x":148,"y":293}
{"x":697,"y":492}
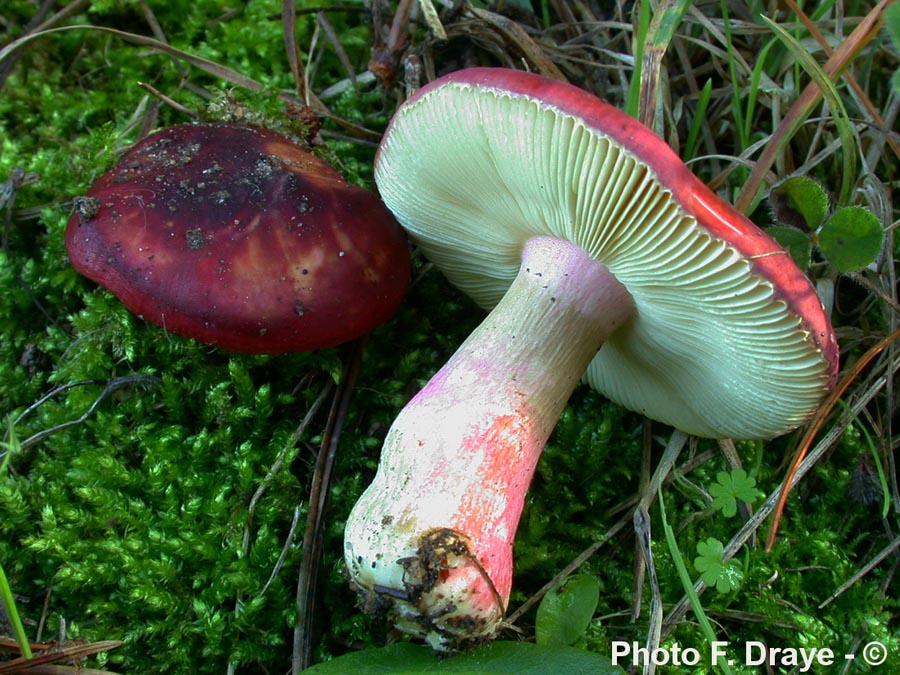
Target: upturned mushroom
{"x":238,"y":237}
{"x":598,"y":254}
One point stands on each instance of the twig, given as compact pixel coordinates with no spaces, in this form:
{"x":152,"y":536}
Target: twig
{"x":642,"y":530}
{"x":386,"y":56}
{"x":260,"y":491}
{"x":332,"y":37}
{"x":289,"y":29}
{"x":288,"y":540}
{"x":35,"y":25}
{"x":64,"y":654}
{"x":868,"y":567}
{"x":312,"y":549}
{"x":640,"y":568}
{"x":585,"y":555}
{"x":821,"y":416}
{"x":158,"y":33}
{"x":279,"y":461}
{"x":172,"y":103}
{"x":858,"y":91}
{"x":111,"y":385}
{"x":512,"y":32}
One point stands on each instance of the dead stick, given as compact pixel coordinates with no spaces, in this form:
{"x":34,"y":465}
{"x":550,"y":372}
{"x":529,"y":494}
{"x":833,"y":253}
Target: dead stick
{"x":312,"y":538}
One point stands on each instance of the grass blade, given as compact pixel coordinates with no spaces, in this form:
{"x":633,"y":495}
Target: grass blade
{"x":665,"y":22}
{"x":835,"y":104}
{"x":690,"y":145}
{"x":632,"y":103}
{"x":6,"y":594}
{"x":686,"y":581}
{"x":867,"y":29}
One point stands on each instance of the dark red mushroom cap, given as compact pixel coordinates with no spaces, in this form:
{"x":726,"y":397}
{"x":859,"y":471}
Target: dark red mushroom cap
{"x":237,"y":237}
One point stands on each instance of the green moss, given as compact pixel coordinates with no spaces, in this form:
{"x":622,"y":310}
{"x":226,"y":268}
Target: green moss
{"x":138,"y":520}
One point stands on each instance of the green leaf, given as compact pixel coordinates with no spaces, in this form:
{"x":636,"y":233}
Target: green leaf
{"x":686,"y":582}
{"x":851,"y":239}
{"x":698,"y":121}
{"x":729,"y":487}
{"x":892,"y":22}
{"x":7,"y":599}
{"x":8,"y":603}
{"x":10,"y":447}
{"x":497,"y":658}
{"x":832,"y":97}
{"x":715,"y":572}
{"x":800,"y":202}
{"x":795,"y":242}
{"x":566,"y":611}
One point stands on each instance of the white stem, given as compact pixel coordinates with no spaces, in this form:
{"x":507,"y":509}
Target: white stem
{"x":430,"y":541}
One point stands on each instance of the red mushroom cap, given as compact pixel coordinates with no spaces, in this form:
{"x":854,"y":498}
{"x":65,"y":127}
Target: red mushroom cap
{"x":712,"y":213}
{"x":729,"y":337}
{"x":237,"y":237}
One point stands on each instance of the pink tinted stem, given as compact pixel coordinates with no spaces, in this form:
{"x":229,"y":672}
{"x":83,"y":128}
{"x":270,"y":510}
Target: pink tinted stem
{"x":431,"y":539}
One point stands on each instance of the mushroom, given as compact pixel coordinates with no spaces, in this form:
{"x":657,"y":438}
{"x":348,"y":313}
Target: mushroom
{"x":237,"y":237}
{"x":598,"y":253}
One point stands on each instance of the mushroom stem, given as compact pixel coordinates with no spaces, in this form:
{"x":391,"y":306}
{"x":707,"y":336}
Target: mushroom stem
{"x":431,"y":539}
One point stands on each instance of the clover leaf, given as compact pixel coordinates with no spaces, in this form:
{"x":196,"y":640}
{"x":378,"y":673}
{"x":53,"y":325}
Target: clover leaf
{"x":851,"y":238}
{"x":715,"y":572}
{"x":799,"y":202}
{"x":731,"y":486}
